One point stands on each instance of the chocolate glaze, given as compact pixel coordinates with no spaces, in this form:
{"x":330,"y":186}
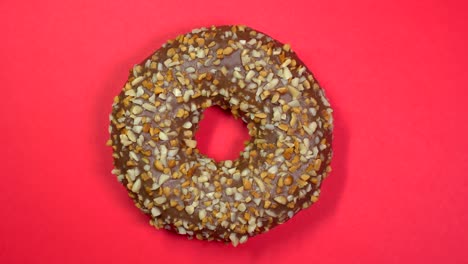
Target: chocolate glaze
{"x":261,"y":81}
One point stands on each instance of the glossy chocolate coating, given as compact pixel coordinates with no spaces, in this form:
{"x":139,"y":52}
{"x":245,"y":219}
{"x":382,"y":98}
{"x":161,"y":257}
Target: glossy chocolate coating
{"x":261,"y":81}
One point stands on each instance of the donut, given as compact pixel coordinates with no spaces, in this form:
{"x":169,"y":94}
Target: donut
{"x":257,"y":79}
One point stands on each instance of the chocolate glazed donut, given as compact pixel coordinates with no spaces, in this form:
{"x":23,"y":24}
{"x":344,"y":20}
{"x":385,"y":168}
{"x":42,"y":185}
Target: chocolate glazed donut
{"x":262,"y":82}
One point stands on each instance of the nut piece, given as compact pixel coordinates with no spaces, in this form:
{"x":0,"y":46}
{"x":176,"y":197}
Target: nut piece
{"x":294,"y":92}
{"x":190,"y":143}
{"x":171,"y":52}
{"x":136,"y":109}
{"x":189,"y":209}
{"x":247,"y":184}
{"x":234,"y":239}
{"x":281,"y":199}
{"x":160,"y":200}
{"x":227,"y":51}
{"x":163,"y":136}
{"x":288,"y":180}
{"x":136,"y":186}
{"x":283,"y":127}
{"x":317,"y":164}
{"x":201,"y":214}
{"x":241,"y":207}
{"x":155,"y":212}
{"x":158,"y":165}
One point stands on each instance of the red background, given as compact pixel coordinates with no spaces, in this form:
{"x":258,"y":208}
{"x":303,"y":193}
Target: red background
{"x":395,"y":73}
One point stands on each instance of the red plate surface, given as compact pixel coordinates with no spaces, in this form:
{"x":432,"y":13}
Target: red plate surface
{"x":395,"y":73}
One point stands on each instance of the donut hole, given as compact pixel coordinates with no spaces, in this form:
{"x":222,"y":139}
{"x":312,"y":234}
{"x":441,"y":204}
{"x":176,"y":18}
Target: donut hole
{"x":220,"y":136}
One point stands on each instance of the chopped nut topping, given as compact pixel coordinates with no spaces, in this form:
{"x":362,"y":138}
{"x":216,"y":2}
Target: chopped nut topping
{"x":262,"y":82}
